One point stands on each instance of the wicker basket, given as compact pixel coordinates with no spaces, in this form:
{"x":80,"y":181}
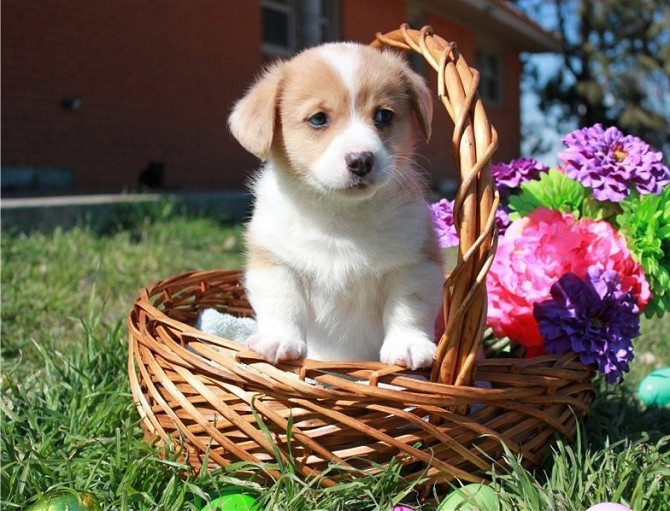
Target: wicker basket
{"x":207,"y":394}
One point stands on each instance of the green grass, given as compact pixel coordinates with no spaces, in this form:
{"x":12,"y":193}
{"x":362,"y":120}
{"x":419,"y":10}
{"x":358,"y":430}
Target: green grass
{"x":51,"y":281}
{"x":68,"y":419}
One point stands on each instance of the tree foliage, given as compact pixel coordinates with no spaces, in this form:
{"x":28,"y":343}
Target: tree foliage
{"x":615,"y":66}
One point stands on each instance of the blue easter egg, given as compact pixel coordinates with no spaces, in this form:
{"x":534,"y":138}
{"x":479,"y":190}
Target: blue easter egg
{"x":654,"y":389}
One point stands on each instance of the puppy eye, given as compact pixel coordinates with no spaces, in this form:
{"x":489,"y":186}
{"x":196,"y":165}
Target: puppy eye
{"x":383,"y":117}
{"x":318,"y":120}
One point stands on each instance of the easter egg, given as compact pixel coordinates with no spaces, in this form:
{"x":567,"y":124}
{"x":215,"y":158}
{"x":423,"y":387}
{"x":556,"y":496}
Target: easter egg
{"x":471,"y":497}
{"x":66,"y":501}
{"x":231,"y":502}
{"x":654,"y":388}
{"x":609,"y":506}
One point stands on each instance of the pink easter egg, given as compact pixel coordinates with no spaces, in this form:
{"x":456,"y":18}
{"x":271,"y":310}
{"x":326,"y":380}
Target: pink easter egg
{"x":609,"y":506}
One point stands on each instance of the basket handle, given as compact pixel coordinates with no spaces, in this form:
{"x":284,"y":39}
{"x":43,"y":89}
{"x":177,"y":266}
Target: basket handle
{"x":474,"y":141}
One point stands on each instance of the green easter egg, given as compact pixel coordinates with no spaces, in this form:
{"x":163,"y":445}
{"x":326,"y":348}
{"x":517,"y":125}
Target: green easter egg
{"x":654,"y":389}
{"x":471,"y":497}
{"x":66,"y":501}
{"x":231,"y":502}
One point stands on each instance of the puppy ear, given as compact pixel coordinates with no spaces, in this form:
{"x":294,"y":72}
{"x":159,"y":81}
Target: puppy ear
{"x":422,"y":102}
{"x":252,"y":121}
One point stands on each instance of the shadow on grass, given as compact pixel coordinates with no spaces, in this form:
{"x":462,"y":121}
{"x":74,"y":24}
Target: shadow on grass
{"x":114,"y":214}
{"x":617,"y":414}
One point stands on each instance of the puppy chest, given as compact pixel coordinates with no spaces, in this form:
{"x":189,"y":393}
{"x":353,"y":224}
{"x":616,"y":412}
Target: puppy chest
{"x":355,"y":303}
{"x":345,"y":322}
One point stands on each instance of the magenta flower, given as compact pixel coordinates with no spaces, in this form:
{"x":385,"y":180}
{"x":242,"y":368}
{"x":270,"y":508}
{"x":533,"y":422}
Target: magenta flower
{"x":538,"y":250}
{"x":593,"y":318}
{"x":510,"y":176}
{"x":612,"y":164}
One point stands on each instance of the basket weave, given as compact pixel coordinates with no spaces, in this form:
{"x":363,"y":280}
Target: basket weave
{"x":207,"y":394}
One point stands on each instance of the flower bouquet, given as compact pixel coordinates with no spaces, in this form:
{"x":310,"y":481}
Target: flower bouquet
{"x":584,"y":249}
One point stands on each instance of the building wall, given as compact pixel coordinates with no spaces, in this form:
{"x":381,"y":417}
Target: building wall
{"x":362,"y":19}
{"x":506,"y":117}
{"x":156,"y":80}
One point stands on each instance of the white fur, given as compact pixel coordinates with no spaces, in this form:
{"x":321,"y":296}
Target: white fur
{"x":344,"y":59}
{"x":330,"y":170}
{"x":351,"y":279}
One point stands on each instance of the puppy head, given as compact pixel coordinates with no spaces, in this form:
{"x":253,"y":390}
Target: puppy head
{"x":337,"y":116}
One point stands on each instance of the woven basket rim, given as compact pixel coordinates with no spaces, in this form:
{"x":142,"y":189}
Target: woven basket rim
{"x":378,"y":372}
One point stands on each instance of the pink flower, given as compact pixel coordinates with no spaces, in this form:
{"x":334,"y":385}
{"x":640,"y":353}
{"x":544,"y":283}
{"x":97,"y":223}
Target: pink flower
{"x":535,"y":252}
{"x":606,"y":249}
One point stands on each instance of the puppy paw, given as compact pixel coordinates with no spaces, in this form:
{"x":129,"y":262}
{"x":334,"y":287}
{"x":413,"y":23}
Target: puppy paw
{"x":412,"y":350}
{"x":275,"y":349}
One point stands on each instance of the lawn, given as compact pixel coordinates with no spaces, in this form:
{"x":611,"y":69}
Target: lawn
{"x":68,"y":419}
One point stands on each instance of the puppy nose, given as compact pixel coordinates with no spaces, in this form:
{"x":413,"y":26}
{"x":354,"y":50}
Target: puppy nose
{"x":360,"y":163}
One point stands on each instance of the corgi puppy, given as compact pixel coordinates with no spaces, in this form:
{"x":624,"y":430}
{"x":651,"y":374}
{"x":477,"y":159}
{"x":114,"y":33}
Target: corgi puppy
{"x":343,"y":263}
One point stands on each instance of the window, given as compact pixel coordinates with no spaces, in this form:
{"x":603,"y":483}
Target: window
{"x":290,"y":25}
{"x":490,"y":79}
{"x":279,"y":26}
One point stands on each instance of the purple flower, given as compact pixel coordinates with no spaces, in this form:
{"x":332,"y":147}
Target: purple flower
{"x":443,"y":222}
{"x":593,"y":318}
{"x":611,"y":163}
{"x":502,"y":219}
{"x":510,"y":176}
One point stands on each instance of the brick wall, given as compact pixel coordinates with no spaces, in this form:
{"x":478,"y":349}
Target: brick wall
{"x":155,"y":79}
{"x":506,"y":117}
{"x":361,"y":19}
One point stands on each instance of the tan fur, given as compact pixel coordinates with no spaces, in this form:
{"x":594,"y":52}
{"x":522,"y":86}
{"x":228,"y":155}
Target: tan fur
{"x":311,"y":87}
{"x":257,"y":257}
{"x":252,"y":121}
{"x":305,"y":85}
{"x":391,"y":79}
{"x":423,"y":104}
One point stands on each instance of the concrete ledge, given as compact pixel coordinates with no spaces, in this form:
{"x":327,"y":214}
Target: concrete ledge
{"x":103,"y":211}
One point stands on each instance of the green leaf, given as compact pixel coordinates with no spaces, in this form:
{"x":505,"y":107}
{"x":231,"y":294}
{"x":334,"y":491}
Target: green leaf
{"x":645,"y":223}
{"x":555,"y":190}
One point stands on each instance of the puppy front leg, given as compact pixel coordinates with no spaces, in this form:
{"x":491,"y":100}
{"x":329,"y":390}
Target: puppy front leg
{"x":277,"y":298}
{"x":413,"y":302}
